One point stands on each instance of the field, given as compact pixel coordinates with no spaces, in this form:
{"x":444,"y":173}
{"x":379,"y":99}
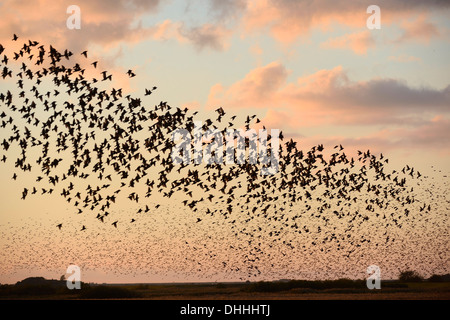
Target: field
{"x":414,"y":291}
{"x":292,"y":290}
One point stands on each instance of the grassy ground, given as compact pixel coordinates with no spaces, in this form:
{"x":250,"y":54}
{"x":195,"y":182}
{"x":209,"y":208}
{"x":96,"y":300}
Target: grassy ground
{"x":413,"y":291}
{"x":243,"y":291}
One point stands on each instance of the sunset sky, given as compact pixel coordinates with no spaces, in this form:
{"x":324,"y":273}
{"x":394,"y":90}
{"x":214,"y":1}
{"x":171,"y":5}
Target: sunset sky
{"x":310,"y":68}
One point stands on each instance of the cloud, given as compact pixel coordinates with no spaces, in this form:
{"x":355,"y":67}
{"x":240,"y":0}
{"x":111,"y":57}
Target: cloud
{"x":431,"y":135}
{"x":206,"y":36}
{"x":418,"y":29}
{"x":192,"y":105}
{"x":358,"y":42}
{"x":287,"y":20}
{"x":257,"y":89}
{"x":328,"y":107}
{"x":226,"y":9}
{"x":166,"y":30}
{"x":109,"y":23}
{"x":330,"y":97}
{"x":102,"y":22}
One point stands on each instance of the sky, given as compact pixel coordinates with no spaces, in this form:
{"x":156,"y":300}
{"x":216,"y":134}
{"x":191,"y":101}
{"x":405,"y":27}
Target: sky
{"x":311,"y":68}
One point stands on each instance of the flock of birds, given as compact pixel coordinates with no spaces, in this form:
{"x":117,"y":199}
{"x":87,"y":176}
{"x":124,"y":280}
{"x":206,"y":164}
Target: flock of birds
{"x":95,"y":145}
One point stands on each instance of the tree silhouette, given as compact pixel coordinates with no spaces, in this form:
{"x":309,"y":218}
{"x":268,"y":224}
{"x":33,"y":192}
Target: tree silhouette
{"x":410,"y":276}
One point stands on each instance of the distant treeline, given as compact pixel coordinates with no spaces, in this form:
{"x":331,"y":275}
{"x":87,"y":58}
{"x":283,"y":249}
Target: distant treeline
{"x":276,"y":286}
{"x":40,"y":287}
{"x":36,"y":286}
{"x":439,"y":278}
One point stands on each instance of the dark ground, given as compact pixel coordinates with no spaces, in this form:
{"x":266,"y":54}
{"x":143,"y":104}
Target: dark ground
{"x":39,"y":288}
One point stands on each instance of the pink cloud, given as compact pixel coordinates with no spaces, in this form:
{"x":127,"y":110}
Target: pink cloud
{"x":105,"y":24}
{"x":396,"y":114}
{"x":288,"y":20}
{"x":257,"y":89}
{"x":329,"y":96}
{"x":100,"y":23}
{"x":359,"y":42}
{"x":430,"y":137}
{"x":418,"y":29}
